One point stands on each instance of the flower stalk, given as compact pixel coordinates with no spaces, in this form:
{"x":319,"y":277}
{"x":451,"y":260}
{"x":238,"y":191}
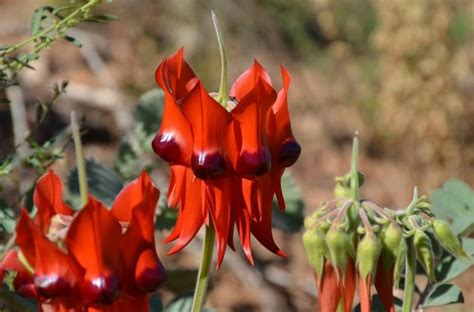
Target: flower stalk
{"x":223,"y":96}
{"x":410,"y":272}
{"x":203,"y":274}
{"x":81,"y":165}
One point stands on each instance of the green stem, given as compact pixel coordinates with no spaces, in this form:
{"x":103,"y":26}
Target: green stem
{"x":81,"y":166}
{"x":223,"y":96}
{"x":413,"y":203}
{"x":58,"y":25}
{"x":410,"y":272}
{"x":203,"y":275}
{"x":354,"y":171}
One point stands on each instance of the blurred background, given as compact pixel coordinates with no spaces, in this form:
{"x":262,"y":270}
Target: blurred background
{"x":401,"y":72}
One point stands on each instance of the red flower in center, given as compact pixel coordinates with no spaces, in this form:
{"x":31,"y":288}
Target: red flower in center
{"x":226,"y":160}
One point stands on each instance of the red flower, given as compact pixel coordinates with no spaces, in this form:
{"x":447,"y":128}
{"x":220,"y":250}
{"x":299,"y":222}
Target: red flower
{"x":226,"y":162}
{"x":97,"y":259}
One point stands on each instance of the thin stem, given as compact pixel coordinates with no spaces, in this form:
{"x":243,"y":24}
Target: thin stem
{"x":81,"y":166}
{"x":203,"y":275}
{"x":47,"y":30}
{"x":410,"y":271}
{"x":413,"y":203}
{"x":354,"y":171}
{"x":223,"y":95}
{"x":366,"y":222}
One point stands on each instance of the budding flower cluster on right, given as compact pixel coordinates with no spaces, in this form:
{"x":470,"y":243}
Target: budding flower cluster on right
{"x":354,"y":243}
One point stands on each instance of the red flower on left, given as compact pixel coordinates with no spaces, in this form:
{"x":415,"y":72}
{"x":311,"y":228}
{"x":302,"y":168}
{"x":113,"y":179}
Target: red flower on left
{"x":93,"y":260}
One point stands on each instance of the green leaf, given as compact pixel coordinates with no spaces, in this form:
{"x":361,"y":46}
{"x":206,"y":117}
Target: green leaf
{"x":166,"y":218}
{"x":103,"y":183}
{"x":155,"y":303}
{"x":127,"y":164}
{"x":182,"y":303}
{"x":73,"y":40}
{"x":38,"y":16}
{"x":444,"y":294}
{"x":150,"y":110}
{"x":455,"y":203}
{"x":451,"y":267}
{"x":12,"y":301}
{"x":377,"y":305}
{"x":101,"y":18}
{"x":292,"y":219}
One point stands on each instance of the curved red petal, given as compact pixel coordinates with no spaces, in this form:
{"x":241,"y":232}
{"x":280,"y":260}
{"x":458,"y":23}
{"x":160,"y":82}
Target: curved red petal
{"x":364,"y":292}
{"x":56,"y":274}
{"x":209,"y":123}
{"x":329,"y":294}
{"x":252,"y":156}
{"x":94,"y":239}
{"x":285,"y":148}
{"x":149,"y":271}
{"x":47,"y":198}
{"x":247,"y":80}
{"x":347,"y":288}
{"x":173,"y":141}
{"x":139,"y":198}
{"x":384,"y":286}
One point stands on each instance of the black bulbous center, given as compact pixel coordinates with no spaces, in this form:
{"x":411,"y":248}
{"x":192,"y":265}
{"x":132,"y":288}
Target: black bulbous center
{"x":254,"y":163}
{"x":290,"y":150}
{"x":166,"y":146}
{"x":51,"y":286}
{"x":208,"y":165}
{"x":100,"y":290}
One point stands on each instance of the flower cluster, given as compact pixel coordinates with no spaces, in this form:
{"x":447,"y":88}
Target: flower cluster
{"x":95,"y":259}
{"x":354,"y":243}
{"x":227,"y":157}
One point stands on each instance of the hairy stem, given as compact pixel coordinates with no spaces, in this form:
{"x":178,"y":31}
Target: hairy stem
{"x":410,"y":272}
{"x":81,"y":166}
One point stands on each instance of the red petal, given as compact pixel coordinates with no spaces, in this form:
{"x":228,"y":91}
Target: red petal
{"x":209,"y":123}
{"x":56,"y":274}
{"x":364,"y":292}
{"x":285,"y":149}
{"x":384,"y":286}
{"x":329,"y":294}
{"x":191,"y":214}
{"x":348,"y":287}
{"x":242,"y":221}
{"x":247,"y":80}
{"x":138,"y":198}
{"x":149,"y":272}
{"x":173,"y":142}
{"x":252,"y":156}
{"x":47,"y":198}
{"x":94,"y":239}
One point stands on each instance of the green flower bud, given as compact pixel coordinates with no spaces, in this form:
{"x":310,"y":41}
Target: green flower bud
{"x":368,"y":252}
{"x":448,"y":239}
{"x":399,"y":262}
{"x":391,"y":237}
{"x":340,"y":248}
{"x":424,"y":252}
{"x":323,"y":226}
{"x":316,"y":249}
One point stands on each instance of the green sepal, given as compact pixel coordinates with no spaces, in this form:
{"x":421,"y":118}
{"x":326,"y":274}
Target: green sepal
{"x":424,"y":253}
{"x":316,"y":250}
{"x":368,"y":253}
{"x":448,"y":239}
{"x":391,"y":237}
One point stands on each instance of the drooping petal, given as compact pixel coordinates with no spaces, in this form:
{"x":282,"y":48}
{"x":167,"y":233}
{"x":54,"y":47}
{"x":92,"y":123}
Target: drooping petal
{"x":329,"y":294}
{"x":250,"y":155}
{"x":285,"y":149}
{"x":364,"y":292}
{"x":173,"y":141}
{"x":47,"y":198}
{"x":384,"y":286}
{"x":56,"y":274}
{"x":248,"y":79}
{"x":192,"y":214}
{"x":209,"y":123}
{"x":94,"y":239}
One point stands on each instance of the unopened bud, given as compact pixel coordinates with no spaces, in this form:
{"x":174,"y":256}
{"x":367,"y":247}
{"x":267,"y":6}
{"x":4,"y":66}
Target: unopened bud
{"x":368,"y":252}
{"x":448,"y":239}
{"x":340,"y":248}
{"x":391,"y":237}
{"x":424,"y":252}
{"x":316,"y":249}
{"x":399,"y":262}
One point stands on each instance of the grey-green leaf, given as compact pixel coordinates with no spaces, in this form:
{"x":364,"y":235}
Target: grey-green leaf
{"x":444,"y":294}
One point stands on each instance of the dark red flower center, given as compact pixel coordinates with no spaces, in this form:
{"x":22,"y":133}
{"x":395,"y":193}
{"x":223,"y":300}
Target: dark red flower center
{"x":100,"y":290}
{"x":208,"y":165}
{"x":254,"y":163}
{"x":290,"y":150}
{"x":165,"y":146}
{"x":51,"y":286}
